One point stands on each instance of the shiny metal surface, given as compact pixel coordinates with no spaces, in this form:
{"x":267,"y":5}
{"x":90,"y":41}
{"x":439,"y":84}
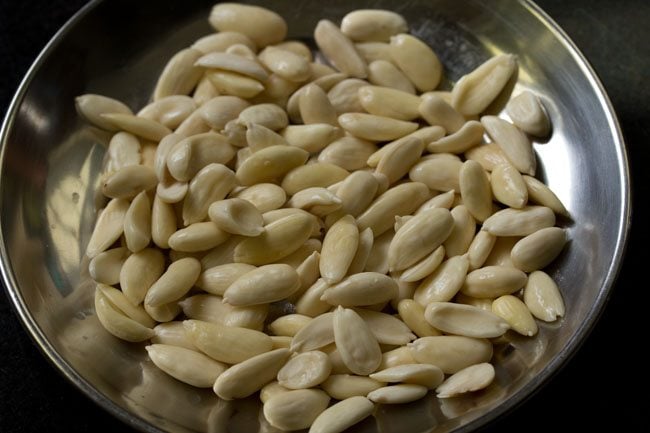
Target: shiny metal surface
{"x":50,"y":163}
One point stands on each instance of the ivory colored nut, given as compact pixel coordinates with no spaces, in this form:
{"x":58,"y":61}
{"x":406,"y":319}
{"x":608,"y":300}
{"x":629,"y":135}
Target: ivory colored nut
{"x":237,"y":216}
{"x":233,"y":63}
{"x":514,"y":143}
{"x":426,"y":375}
{"x":212,"y":183}
{"x":508,"y":186}
{"x":527,"y":112}
{"x":349,"y":153}
{"x":225,"y":343}
{"x":519,"y":222}
{"x":316,"y":334}
{"x":515,"y":312}
{"x":312,"y":175}
{"x":384,"y":101}
{"x":375,"y":128}
{"x":418,"y":237}
{"x":493,"y":281}
{"x":221,"y":41}
{"x":469,"y":379}
{"x":400,"y":200}
{"x":384,"y":73}
{"x":386,"y":328}
{"x":288,"y":325}
{"x":117,"y":323}
{"x":109,"y":227}
{"x":129,"y":181}
{"x":417,"y":61}
{"x":123,"y":305}
{"x":180,"y":75}
{"x":270,"y":163}
{"x":265,"y":197}
{"x":279,"y":282}
{"x":105,"y":267}
{"x":169,"y":111}
{"x":145,"y":128}
{"x":342,"y":415}
{"x":412,"y":313}
{"x":339,"y":50}
{"x":249,"y":376}
{"x":186,"y":365}
{"x":357,"y":345}
{"x":262,"y":26}
{"x":397,"y":161}
{"x":339,"y":249}
{"x":177,"y":280}
{"x":366,"y":288}
{"x":280,"y":238}
{"x":342,"y":386}
{"x":398,"y":394}
{"x":305,"y":370}
{"x":372,"y":25}
{"x":443,"y":284}
{"x":465,"y":320}
{"x":543,"y":297}
{"x":451,"y":353}
{"x":537,"y":250}
{"x":197,"y":237}
{"x":91,"y":107}
{"x":312,"y":137}
{"x":295,"y":410}
{"x":474,"y":92}
{"x":475,"y":190}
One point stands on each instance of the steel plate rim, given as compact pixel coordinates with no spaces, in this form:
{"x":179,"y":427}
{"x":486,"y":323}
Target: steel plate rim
{"x":511,"y":403}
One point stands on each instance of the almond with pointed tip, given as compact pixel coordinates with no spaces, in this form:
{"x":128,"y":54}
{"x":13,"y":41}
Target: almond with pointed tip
{"x":543,"y":297}
{"x":527,"y":112}
{"x":211,"y":184}
{"x":420,"y":236}
{"x":355,"y":341}
{"x":493,"y":281}
{"x":339,"y":50}
{"x":339,"y":248}
{"x":465,"y":320}
{"x":225,"y":343}
{"x":366,"y":288}
{"x":400,"y":200}
{"x":412,"y":313}
{"x":519,"y":222}
{"x":295,"y":410}
{"x":118,"y":323}
{"x":250,"y":375}
{"x":472,"y":378}
{"x":186,"y":365}
{"x":375,"y":128}
{"x":382,"y":72}
{"x":91,"y":107}
{"x":443,"y":284}
{"x":279,"y":282}
{"x":237,"y":216}
{"x":175,"y":282}
{"x":474,"y":92}
{"x":451,"y":353}
{"x":180,"y":75}
{"x":514,"y":143}
{"x":108,"y":228}
{"x":417,"y":60}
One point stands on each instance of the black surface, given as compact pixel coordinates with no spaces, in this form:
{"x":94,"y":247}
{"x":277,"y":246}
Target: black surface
{"x":594,"y":391}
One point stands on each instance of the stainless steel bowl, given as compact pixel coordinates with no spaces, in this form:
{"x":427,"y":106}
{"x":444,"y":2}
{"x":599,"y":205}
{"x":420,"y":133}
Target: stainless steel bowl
{"x":51,"y":160}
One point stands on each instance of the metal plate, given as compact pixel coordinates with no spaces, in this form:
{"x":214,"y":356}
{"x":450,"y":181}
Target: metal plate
{"x":50,"y":164}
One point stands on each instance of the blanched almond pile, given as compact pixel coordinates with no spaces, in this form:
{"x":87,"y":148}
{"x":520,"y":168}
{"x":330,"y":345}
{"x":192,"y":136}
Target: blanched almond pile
{"x":313,"y":231}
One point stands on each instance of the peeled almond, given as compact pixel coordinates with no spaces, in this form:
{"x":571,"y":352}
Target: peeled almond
{"x":465,"y":320}
{"x":469,"y":379}
{"x":237,"y":216}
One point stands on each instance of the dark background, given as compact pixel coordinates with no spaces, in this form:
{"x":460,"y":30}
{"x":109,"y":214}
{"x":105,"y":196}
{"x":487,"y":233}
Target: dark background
{"x":605,"y":387}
